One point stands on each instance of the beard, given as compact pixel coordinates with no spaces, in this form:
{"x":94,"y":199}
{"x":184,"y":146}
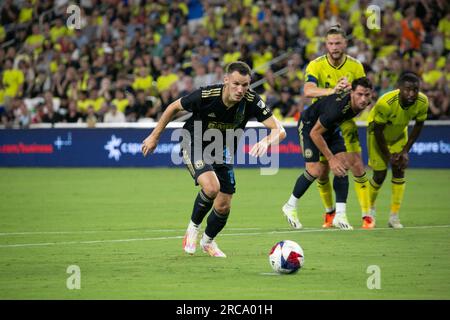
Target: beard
{"x":337,"y":55}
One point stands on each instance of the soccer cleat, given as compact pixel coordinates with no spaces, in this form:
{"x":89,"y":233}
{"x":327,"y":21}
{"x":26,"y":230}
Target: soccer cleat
{"x":368,"y":222}
{"x":190,"y":240}
{"x":394,"y":222}
{"x":340,"y":221}
{"x":291,"y":215}
{"x":329,"y":216}
{"x":211,"y":248}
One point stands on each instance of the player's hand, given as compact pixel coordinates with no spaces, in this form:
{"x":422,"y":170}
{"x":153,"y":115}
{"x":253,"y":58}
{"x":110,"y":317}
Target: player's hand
{"x":149,"y":145}
{"x":337,"y":167}
{"x":400,"y":160}
{"x":259,"y":149}
{"x":342,"y":85}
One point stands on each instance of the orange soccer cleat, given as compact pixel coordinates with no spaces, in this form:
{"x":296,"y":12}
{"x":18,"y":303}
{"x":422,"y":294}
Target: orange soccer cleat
{"x":329,"y":217}
{"x":368,"y":222}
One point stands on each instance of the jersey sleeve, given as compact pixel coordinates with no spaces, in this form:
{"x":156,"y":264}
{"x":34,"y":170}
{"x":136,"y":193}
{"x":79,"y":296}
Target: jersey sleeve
{"x":261,"y":111}
{"x":423,"y":109}
{"x":312,"y":73}
{"x":381,"y":112}
{"x":192,"y":101}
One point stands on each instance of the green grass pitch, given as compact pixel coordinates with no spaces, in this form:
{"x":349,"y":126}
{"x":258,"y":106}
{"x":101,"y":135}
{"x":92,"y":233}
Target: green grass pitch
{"x":124,"y":228}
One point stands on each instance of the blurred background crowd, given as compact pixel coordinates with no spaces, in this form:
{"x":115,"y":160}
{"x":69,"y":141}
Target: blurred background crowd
{"x":129,"y":59}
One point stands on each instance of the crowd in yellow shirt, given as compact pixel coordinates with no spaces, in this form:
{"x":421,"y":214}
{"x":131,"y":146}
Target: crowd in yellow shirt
{"x":161,"y":49}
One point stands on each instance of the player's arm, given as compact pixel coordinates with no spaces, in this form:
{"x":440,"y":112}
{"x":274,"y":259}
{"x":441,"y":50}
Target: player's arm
{"x":316,"y":134}
{"x":402,"y":158}
{"x":415,"y":133}
{"x":150,"y":143}
{"x":311,"y":89}
{"x":276,"y":135}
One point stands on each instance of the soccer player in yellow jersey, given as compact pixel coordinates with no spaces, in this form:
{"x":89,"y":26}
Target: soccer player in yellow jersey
{"x":329,"y":74}
{"x":388,"y":141}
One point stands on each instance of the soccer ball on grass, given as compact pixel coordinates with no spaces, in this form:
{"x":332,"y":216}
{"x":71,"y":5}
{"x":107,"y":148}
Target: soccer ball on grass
{"x":286,"y":257}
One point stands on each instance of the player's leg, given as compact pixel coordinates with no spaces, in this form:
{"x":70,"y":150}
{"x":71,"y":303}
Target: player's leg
{"x":361,"y":183}
{"x":289,"y":209}
{"x":379,"y":167}
{"x":326,"y":195}
{"x":218,"y":217}
{"x":216,"y":221}
{"x":304,"y":181}
{"x":311,"y":156}
{"x":340,"y":185}
{"x":398,"y":182}
{"x":203,"y":175}
{"x":398,"y":191}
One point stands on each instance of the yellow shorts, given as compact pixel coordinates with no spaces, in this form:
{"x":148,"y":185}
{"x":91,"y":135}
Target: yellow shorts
{"x":376,"y":160}
{"x":350,"y":134}
{"x":351,"y":138}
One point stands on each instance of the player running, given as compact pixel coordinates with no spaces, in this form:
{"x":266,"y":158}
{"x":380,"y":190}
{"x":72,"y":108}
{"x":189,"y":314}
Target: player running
{"x":320,"y":135}
{"x":223,"y":107}
{"x":388,"y":141}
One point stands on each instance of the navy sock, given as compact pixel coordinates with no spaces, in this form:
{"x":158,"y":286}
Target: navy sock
{"x":340,"y":185}
{"x":302,"y":184}
{"x":202,"y":205}
{"x":216,"y":222}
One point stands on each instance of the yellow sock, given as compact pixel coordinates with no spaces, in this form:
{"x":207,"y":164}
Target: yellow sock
{"x":398,"y":190}
{"x":326,"y":194}
{"x":373,"y":192}
{"x":362,"y":192}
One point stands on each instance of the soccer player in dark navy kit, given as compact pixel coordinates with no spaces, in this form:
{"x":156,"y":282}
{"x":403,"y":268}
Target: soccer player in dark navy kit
{"x":223,"y":107}
{"x":320,"y":135}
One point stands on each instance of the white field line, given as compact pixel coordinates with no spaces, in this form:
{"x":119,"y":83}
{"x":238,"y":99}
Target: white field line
{"x":25,"y":233}
{"x":43,"y":244}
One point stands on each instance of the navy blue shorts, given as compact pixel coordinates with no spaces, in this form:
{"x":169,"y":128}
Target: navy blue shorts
{"x":224,"y":172}
{"x":311,"y":153}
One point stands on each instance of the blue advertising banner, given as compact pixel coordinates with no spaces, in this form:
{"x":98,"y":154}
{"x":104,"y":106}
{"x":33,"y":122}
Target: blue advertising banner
{"x":121,"y":147}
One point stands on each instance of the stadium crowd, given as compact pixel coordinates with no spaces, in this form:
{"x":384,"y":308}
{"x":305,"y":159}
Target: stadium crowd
{"x":128,"y":59}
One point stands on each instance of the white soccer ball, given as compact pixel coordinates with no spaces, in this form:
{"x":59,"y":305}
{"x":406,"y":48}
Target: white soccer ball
{"x":286,"y":257}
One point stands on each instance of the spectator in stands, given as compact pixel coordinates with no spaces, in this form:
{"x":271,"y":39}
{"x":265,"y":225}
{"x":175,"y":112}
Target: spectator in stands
{"x":9,"y":13}
{"x":51,"y":116}
{"x":91,"y":117}
{"x":285,"y":106}
{"x":73,"y":115}
{"x":113,"y":115}
{"x":146,"y":107}
{"x":413,"y":32}
{"x":115,"y":36}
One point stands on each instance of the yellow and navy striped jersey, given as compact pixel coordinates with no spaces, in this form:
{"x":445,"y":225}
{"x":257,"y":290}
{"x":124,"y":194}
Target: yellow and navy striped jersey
{"x":325,"y":75}
{"x":388,"y":110}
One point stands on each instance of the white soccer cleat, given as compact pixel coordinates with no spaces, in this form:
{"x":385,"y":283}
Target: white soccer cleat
{"x":211,"y":248}
{"x":190,"y":239}
{"x":291,"y":215}
{"x":340,"y":221}
{"x":394,"y":222}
